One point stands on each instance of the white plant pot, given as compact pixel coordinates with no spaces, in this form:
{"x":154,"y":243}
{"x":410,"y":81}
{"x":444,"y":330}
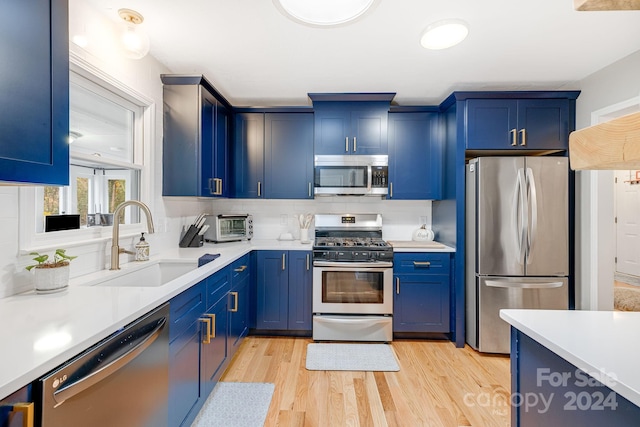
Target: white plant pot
{"x":48,"y":280}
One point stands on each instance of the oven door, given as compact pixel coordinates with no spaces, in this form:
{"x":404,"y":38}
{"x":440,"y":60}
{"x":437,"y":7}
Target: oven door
{"x":352,"y":288}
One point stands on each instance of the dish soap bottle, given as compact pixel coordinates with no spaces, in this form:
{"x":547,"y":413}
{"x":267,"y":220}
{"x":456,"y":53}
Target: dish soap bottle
{"x":142,"y":249}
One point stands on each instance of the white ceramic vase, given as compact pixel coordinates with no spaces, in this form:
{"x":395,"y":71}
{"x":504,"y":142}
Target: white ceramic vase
{"x":48,"y":280}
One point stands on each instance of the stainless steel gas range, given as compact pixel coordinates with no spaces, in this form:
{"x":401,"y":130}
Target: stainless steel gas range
{"x":352,"y":279}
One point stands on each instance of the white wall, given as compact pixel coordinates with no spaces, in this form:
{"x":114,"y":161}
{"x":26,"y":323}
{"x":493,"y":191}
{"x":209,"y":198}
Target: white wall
{"x":170,"y":214}
{"x":595,"y":244}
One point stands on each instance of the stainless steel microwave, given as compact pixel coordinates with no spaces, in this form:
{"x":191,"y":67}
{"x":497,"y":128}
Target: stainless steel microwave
{"x":228,"y":228}
{"x":356,"y":175}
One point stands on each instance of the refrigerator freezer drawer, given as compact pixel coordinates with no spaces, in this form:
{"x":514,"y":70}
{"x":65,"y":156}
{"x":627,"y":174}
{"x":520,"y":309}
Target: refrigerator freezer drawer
{"x":495,"y":293}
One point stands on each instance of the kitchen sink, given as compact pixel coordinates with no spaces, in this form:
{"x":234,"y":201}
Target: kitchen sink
{"x":147,"y":274}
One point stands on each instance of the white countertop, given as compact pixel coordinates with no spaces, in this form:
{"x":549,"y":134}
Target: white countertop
{"x":419,"y":246}
{"x":80,"y":316}
{"x":606,"y":343}
{"x":77,"y":318}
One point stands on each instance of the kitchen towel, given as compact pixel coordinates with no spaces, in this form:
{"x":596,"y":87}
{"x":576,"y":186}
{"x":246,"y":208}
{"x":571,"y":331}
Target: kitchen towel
{"x":351,"y":357}
{"x":237,"y":405}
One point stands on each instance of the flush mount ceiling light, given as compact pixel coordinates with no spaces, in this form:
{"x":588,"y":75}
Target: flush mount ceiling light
{"x":444,"y":34}
{"x":323,"y":13}
{"x":134,"y":40}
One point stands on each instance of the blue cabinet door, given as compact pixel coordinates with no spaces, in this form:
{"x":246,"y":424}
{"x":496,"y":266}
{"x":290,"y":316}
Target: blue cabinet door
{"x":351,"y":127}
{"x":288,"y":155}
{"x":238,"y":307}
{"x":214,"y":346}
{"x":271,"y":288}
{"x":415,"y":156}
{"x":185,"y":335}
{"x":248,"y":155}
{"x":10,"y":416}
{"x":523,"y":124}
{"x":221,"y":184}
{"x":300,"y":280}
{"x":34,"y":105}
{"x":421,"y":303}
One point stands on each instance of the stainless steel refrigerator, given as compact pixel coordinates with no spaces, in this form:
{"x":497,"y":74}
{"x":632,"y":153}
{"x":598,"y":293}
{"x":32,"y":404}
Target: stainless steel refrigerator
{"x":517,"y":237}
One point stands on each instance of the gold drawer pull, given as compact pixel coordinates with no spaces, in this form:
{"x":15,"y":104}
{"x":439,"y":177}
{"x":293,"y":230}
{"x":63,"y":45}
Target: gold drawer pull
{"x":421,"y":264}
{"x":240,"y":269}
{"x":235,"y":301}
{"x":212,"y":332}
{"x":207,"y":338}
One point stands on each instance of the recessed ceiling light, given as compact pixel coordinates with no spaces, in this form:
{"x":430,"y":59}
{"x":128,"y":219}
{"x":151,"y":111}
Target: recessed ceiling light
{"x":444,"y":34}
{"x":323,"y":12}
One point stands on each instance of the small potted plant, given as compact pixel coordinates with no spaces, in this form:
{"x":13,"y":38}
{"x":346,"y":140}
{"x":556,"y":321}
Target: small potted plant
{"x":51,"y":275}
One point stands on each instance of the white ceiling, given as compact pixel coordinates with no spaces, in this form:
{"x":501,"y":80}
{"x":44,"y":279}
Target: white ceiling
{"x":257,"y":57}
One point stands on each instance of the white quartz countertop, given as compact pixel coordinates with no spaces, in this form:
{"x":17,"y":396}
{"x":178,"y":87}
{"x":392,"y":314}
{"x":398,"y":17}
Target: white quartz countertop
{"x":41,"y":332}
{"x":419,"y":246}
{"x":605,"y":344}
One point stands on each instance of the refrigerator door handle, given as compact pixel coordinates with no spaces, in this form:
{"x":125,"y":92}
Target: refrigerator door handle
{"x":521,"y":205}
{"x":522,"y":285}
{"x":533,"y":231}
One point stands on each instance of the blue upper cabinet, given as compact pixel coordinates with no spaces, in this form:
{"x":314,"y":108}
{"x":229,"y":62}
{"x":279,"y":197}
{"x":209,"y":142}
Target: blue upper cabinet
{"x":519,"y":124}
{"x":415,"y":156}
{"x":248,"y":155}
{"x":351,"y":123}
{"x":288,"y":156}
{"x":34,"y":95}
{"x":196,"y":137}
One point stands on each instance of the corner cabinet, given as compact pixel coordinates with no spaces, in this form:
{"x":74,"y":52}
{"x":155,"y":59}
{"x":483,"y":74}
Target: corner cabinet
{"x":288,"y":155}
{"x":518,"y":124}
{"x":422,"y":292}
{"x":34,"y":106}
{"x":351,"y":123}
{"x":415,"y":156}
{"x":196,"y":138}
{"x":283,"y":296}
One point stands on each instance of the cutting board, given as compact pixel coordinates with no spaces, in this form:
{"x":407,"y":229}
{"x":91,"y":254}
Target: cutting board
{"x":415,"y":244}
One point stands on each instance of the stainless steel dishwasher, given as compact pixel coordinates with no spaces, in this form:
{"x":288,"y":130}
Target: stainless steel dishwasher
{"x":121,"y":381}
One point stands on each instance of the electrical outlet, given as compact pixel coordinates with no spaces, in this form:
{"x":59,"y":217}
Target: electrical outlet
{"x":284,"y":219}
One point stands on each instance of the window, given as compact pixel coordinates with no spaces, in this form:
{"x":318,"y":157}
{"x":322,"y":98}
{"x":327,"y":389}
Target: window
{"x":109,"y":128}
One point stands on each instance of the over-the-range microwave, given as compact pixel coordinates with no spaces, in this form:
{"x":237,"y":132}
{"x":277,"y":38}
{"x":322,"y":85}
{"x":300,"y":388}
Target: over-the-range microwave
{"x":351,"y":175}
{"x":228,"y":228}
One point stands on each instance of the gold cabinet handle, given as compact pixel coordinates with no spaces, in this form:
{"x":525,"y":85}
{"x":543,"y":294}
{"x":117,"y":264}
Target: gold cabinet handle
{"x":309,"y":189}
{"x":523,"y":137}
{"x":218,"y":186}
{"x":308,"y":262}
{"x":27,"y":411}
{"x":421,"y":264}
{"x":212,"y":330}
{"x":207,"y":337}
{"x":514,"y":137}
{"x":391,"y":190}
{"x":355,"y":144}
{"x":398,"y":285}
{"x":240,"y":269}
{"x":284,"y":264}
{"x":235,"y":302}
{"x":346,"y":144}
{"x":259,"y":188}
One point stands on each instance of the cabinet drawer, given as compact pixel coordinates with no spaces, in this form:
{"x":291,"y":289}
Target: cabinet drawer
{"x":217,"y":286}
{"x":185,"y":309}
{"x":421,"y":263}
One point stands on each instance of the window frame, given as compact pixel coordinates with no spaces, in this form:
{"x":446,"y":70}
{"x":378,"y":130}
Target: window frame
{"x":29,"y":239}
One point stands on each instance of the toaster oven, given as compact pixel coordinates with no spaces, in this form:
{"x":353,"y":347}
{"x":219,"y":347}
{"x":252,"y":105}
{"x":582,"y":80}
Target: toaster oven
{"x":228,"y":228}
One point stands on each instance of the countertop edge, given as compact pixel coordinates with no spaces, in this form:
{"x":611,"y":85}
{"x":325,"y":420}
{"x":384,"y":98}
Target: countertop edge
{"x":619,"y":385}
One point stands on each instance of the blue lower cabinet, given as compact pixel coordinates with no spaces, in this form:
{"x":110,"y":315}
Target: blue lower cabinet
{"x":238,"y":308}
{"x":422,"y":292}
{"x":283,"y":288}
{"x":13,"y":408}
{"x":547,"y":390}
{"x":214,"y":345}
{"x":185,"y":332}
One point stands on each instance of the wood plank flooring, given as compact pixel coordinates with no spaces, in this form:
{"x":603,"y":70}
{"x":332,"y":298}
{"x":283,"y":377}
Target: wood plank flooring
{"x":437,"y":385}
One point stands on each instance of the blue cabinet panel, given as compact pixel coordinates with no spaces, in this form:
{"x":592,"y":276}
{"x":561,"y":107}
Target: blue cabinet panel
{"x":351,"y":127}
{"x":185,"y":309}
{"x":300,"y":279}
{"x":503,"y":124}
{"x":422,"y":298}
{"x":184,"y":374}
{"x":564,"y":395}
{"x":9,"y":417}
{"x":272,"y":287}
{"x":415,"y":156}
{"x":214,"y":348}
{"x":288,"y":156}
{"x":248,"y":156}
{"x":34,"y":105}
{"x":238,"y":307}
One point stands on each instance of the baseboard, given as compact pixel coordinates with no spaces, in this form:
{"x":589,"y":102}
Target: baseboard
{"x":627,"y":278}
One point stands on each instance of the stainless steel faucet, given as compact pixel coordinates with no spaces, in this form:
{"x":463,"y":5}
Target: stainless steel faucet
{"x":115,"y":249}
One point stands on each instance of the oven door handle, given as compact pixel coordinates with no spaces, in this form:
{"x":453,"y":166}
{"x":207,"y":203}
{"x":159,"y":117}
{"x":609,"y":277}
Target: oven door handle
{"x":369,"y":320}
{"x":351,"y":265}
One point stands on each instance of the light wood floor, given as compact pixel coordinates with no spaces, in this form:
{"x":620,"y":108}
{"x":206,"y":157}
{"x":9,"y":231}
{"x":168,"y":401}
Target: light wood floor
{"x":437,"y":385}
